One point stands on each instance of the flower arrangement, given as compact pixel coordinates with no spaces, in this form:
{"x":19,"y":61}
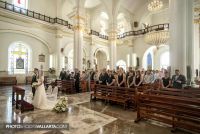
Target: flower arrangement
{"x":52,"y":70}
{"x":61,"y":106}
{"x":34,"y":84}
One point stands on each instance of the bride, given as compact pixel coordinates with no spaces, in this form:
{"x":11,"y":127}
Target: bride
{"x":40,"y":99}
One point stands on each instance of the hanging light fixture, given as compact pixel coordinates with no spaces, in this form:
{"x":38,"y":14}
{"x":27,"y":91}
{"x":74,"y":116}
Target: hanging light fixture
{"x":155,"y":5}
{"x":157,"y":37}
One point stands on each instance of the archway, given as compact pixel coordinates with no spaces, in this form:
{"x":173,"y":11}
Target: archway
{"x":148,"y":58}
{"x":19,"y":58}
{"x":101,"y":60}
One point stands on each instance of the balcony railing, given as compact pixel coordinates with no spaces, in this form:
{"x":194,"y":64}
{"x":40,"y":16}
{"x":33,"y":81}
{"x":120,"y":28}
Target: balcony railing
{"x":41,"y":17}
{"x":158,"y":27}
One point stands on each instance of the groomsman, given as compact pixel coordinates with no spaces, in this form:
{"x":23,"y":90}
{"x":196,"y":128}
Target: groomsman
{"x":77,"y":80}
{"x":63,"y":74}
{"x":178,"y":80}
{"x":34,"y":79}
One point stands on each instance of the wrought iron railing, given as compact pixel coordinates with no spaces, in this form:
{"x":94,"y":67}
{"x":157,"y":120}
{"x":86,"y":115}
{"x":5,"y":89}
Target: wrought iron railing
{"x":42,"y":17}
{"x":158,"y":27}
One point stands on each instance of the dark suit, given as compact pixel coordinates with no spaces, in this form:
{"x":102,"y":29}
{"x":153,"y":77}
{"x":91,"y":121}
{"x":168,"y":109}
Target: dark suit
{"x":34,"y":79}
{"x":62,"y":75}
{"x":77,"y":81}
{"x":176,"y":84}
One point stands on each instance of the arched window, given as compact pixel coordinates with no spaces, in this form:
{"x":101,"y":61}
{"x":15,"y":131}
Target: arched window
{"x":164,"y":60}
{"x":122,"y":64}
{"x":149,"y":61}
{"x":18,"y":59}
{"x":21,"y":3}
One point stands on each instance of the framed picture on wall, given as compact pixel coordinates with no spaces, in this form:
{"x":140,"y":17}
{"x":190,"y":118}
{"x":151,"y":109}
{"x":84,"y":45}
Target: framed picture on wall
{"x":41,"y":58}
{"x":19,"y":63}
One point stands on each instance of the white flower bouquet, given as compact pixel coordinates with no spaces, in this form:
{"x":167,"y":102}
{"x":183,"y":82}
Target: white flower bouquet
{"x":62,"y":105}
{"x":34,"y":84}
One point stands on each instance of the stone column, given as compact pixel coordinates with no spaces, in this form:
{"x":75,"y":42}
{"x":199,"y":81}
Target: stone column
{"x":113,"y":46}
{"x":58,"y":58}
{"x":180,"y":34}
{"x":78,"y":38}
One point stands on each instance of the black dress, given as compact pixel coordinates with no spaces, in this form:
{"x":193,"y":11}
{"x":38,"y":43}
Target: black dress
{"x":166,"y":81}
{"x":130,"y":80}
{"x":110,"y":79}
{"x":120,"y":79}
{"x":137,"y":80}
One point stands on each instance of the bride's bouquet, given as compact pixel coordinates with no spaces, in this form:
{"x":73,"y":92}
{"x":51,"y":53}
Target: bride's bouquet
{"x":34,"y":84}
{"x":62,"y":105}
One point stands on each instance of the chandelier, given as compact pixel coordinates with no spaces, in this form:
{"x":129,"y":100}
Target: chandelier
{"x":197,"y":15}
{"x":157,"y":37}
{"x":155,"y":5}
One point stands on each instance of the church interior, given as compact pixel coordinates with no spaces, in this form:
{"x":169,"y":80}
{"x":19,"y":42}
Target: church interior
{"x":100,"y":66}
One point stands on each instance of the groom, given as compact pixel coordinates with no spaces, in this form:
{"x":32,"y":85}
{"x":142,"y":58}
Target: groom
{"x":34,"y":79}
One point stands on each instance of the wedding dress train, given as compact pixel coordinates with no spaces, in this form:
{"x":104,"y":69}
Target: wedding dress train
{"x":40,"y":99}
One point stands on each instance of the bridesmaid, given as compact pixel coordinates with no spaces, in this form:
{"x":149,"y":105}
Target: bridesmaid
{"x":138,"y":79}
{"x":121,"y":78}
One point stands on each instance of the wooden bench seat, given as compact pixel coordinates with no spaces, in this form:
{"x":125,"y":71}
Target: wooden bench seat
{"x":5,"y":81}
{"x":122,"y":95}
{"x":176,"y":109}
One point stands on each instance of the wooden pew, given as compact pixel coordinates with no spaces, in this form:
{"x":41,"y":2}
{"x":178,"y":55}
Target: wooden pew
{"x":179,"y":111}
{"x":5,"y":81}
{"x":122,"y":95}
{"x":68,"y":86}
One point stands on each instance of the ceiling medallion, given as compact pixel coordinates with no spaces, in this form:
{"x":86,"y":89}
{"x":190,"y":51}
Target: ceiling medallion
{"x":155,"y":5}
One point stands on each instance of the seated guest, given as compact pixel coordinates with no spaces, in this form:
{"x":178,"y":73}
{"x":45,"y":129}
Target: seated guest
{"x":103,"y":77}
{"x":166,"y":81}
{"x":111,"y":79}
{"x":148,"y":78}
{"x":178,"y":80}
{"x":138,"y":79}
{"x":121,"y":78}
{"x":63,"y":74}
{"x":130,"y":79}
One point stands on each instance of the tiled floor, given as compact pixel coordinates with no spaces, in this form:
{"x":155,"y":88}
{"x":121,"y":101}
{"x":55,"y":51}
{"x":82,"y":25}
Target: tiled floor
{"x":83,"y":116}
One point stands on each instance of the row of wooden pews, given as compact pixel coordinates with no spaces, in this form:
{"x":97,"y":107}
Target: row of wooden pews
{"x":179,"y":108}
{"x":122,"y":95}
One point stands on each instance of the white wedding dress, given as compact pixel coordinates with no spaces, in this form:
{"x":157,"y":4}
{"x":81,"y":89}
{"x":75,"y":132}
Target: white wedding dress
{"x":40,"y":100}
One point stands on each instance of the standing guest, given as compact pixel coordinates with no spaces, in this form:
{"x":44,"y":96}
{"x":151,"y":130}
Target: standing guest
{"x":111,"y":79}
{"x":83,"y":76}
{"x":72,"y":75}
{"x":96,"y":77}
{"x":148,"y":78}
{"x":103,"y":77}
{"x":156,"y":76}
{"x":115,"y":76}
{"x":77,"y":80}
{"x":138,"y":79}
{"x":130,"y":79}
{"x":121,"y":78}
{"x":63,"y":74}
{"x":127,"y":73}
{"x":92,"y":73}
{"x":178,"y":80}
{"x":68,"y":75}
{"x":166,"y":81}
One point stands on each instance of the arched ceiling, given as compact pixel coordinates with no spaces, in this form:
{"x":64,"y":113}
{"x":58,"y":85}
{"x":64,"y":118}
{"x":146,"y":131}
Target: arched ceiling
{"x":92,"y":3}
